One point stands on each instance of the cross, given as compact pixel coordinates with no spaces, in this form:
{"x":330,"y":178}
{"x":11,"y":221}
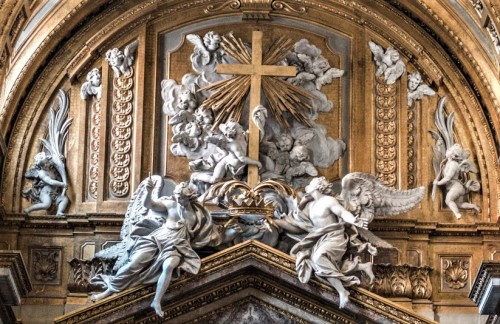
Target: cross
{"x":256,"y":70}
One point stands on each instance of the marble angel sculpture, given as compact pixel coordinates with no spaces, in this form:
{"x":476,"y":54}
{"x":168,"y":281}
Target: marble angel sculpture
{"x":452,"y":165}
{"x":234,"y":142}
{"x":416,"y":89}
{"x":205,"y":50}
{"x":48,"y":172}
{"x":159,"y":238}
{"x":92,"y":87}
{"x":389,"y":63}
{"x":331,"y":232}
{"x":121,"y":62}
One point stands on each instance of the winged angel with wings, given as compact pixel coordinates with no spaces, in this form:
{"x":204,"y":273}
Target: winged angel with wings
{"x":452,"y":165}
{"x":389,"y":63}
{"x":332,"y":230}
{"x":159,"y":236}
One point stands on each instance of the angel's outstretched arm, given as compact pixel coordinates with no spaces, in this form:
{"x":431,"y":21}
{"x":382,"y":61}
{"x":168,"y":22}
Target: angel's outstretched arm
{"x":150,"y":202}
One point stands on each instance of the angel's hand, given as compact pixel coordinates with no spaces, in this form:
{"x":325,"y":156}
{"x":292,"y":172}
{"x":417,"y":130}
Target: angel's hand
{"x":361,"y":222}
{"x":150,"y":184}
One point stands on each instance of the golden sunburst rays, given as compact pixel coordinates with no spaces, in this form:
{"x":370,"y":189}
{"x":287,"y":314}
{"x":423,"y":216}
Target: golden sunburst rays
{"x":228,"y":96}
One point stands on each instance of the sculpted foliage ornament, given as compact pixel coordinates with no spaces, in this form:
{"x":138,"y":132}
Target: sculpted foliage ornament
{"x":452,"y":165}
{"x":48,"y":172}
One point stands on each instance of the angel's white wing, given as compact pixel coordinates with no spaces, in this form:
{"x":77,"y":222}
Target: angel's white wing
{"x":424,"y":89}
{"x":393,"y":73}
{"x":129,"y":52}
{"x":378,"y":52}
{"x":199,"y":48}
{"x":368,"y":198}
{"x":467,"y":166}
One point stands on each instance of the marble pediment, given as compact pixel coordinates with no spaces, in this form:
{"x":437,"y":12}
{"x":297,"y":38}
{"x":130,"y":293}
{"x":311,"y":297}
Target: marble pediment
{"x":247,"y":283}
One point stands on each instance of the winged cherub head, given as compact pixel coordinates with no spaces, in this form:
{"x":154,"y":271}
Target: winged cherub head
{"x":115,"y":57}
{"x":211,"y":41}
{"x":414,"y":79}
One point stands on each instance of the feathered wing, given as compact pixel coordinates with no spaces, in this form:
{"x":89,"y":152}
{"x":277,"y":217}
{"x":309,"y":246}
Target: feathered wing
{"x":58,"y":134}
{"x":376,"y":241}
{"x":424,"y":90}
{"x":378,"y":52}
{"x":199,"y":47}
{"x":367,"y":198}
{"x":135,"y":214}
{"x":129,"y":52}
{"x":467,"y":166}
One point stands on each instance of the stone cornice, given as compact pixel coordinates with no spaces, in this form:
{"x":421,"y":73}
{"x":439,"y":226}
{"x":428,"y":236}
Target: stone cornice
{"x":484,"y":285}
{"x":247,"y":265}
{"x":14,"y":277}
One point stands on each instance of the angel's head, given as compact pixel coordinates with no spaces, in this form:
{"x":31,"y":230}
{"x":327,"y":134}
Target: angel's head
{"x":299,"y":153}
{"x":230,"y":129}
{"x":211,"y":41}
{"x":183,"y":191}
{"x":193,"y":129}
{"x":320,"y":184}
{"x":187,"y":101}
{"x":204,"y":116}
{"x":414,"y":79}
{"x":41,"y":158}
{"x":393,"y":54}
{"x":94,"y":77}
{"x":285,"y":142}
{"x":457,"y":153}
{"x":115,"y":57}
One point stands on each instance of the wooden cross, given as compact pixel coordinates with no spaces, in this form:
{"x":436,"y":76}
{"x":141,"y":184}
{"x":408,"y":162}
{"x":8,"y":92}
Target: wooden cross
{"x":256,"y":70}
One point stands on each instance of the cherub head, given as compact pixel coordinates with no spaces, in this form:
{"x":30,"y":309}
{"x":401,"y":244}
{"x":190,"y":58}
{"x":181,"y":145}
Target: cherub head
{"x":285,"y":142}
{"x":230,"y":129}
{"x":187,"y":101}
{"x":393,"y":54}
{"x":41,"y":158}
{"x":193,"y":129}
{"x":211,"y":41}
{"x":299,"y":153}
{"x":457,"y":153}
{"x":204,"y":116}
{"x":320,"y":184}
{"x":94,"y":77}
{"x":115,"y":57}
{"x":414,"y":79}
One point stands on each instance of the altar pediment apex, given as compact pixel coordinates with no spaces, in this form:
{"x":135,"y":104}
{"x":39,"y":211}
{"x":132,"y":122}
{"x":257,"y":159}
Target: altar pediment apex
{"x":251,"y":274}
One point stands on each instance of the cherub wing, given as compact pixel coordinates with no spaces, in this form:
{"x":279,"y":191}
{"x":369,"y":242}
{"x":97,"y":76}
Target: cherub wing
{"x":136,"y":212}
{"x":367,"y":198}
{"x":444,"y":136}
{"x":394,"y":72}
{"x":328,"y":77}
{"x":129,"y":52}
{"x":58,"y":134}
{"x":424,"y":90}
{"x":467,"y":166}
{"x":378,"y":52}
{"x":199,"y":48}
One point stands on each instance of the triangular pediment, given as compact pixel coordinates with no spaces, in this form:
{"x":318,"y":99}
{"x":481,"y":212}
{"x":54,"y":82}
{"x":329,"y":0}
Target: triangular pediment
{"x":248,"y":281}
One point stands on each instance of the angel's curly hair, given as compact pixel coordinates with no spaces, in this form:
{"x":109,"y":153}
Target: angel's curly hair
{"x":322,"y":185}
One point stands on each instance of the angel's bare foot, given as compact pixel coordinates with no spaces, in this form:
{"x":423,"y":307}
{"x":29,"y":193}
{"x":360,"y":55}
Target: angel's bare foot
{"x":100,"y":296}
{"x":459,"y":216}
{"x":157,"y":307}
{"x":344,"y":298}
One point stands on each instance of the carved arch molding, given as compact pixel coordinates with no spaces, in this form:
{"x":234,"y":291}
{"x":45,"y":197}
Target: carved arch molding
{"x":77,"y":44}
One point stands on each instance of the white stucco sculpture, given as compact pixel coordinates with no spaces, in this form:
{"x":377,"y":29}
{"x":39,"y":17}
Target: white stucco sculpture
{"x":389,"y":63}
{"x":331,"y":232}
{"x":416,"y":89}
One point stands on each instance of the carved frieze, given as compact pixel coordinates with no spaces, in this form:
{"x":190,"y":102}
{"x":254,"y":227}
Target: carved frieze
{"x":121,"y":118}
{"x":256,"y":9}
{"x":402,"y":281}
{"x":45,"y":266}
{"x":91,"y":91}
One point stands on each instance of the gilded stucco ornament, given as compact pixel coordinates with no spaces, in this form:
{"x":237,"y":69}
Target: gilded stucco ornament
{"x":389,"y":63}
{"x":48,"y":172}
{"x":159,"y":236}
{"x":452,"y":165}
{"x":416,"y":89}
{"x":331,"y":232}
